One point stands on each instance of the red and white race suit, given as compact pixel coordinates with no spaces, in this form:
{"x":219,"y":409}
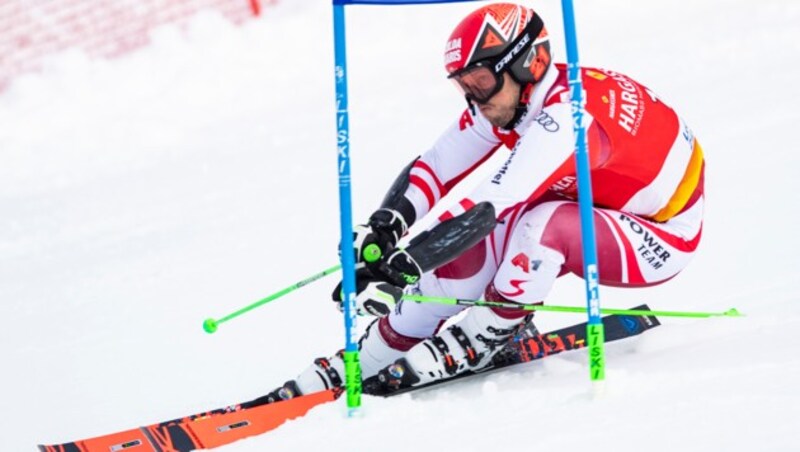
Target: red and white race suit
{"x":647,"y":180}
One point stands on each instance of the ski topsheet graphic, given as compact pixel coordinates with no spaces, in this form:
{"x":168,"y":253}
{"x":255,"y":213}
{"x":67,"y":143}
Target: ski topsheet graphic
{"x":225,"y":425}
{"x":200,"y":431}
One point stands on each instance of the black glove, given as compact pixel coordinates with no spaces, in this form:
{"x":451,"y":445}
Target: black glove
{"x":398,"y":268}
{"x":380,"y":286}
{"x":378,"y":237}
{"x":373,"y":296}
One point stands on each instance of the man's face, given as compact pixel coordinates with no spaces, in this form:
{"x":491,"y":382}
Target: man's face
{"x":501,"y":107}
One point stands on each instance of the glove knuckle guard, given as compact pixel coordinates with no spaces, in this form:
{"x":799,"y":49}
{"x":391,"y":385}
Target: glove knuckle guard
{"x":377,"y":309}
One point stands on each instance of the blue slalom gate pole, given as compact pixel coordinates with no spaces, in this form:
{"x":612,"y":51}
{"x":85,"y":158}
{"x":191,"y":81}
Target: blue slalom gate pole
{"x":594,"y":329}
{"x":351,"y":359}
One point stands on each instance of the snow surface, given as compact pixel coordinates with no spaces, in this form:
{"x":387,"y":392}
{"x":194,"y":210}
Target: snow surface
{"x":141,"y":195}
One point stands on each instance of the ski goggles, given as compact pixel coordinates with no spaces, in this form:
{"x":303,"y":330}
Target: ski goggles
{"x":482,"y":80}
{"x":478,"y":82}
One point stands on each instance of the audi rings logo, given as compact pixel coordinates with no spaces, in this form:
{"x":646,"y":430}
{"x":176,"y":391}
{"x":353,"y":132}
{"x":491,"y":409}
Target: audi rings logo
{"x":547,"y":122}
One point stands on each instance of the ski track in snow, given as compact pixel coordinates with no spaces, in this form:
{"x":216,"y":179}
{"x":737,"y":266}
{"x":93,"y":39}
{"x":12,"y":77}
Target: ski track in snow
{"x":144,"y":194}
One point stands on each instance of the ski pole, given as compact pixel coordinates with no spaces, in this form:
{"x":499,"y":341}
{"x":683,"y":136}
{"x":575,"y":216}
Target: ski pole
{"x":371,"y":253}
{"x":578,"y":310}
{"x":210,"y":325}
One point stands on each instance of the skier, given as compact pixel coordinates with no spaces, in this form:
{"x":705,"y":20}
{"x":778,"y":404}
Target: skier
{"x":519,"y":230}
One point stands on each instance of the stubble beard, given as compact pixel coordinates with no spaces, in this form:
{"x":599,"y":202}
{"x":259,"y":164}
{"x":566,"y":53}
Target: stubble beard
{"x":500,"y":117}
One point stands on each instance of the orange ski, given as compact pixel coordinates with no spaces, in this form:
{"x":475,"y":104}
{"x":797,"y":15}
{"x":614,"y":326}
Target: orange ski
{"x":201,"y":431}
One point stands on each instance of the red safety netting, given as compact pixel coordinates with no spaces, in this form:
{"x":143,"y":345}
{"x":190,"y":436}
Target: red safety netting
{"x":33,"y":29}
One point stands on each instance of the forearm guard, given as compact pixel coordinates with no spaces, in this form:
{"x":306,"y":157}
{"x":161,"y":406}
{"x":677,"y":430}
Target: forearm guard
{"x":396,"y":200}
{"x":447,"y":240}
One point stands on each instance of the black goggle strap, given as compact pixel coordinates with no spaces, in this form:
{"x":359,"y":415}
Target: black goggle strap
{"x":470,"y":105}
{"x":515,"y":50}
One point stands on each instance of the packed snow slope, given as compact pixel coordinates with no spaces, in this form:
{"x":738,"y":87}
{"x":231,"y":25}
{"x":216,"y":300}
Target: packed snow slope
{"x":141,"y":195}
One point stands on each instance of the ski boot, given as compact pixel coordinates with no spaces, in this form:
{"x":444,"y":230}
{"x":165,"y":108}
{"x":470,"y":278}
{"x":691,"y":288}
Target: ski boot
{"x":376,"y":351}
{"x":470,"y":344}
{"x":323,"y":374}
